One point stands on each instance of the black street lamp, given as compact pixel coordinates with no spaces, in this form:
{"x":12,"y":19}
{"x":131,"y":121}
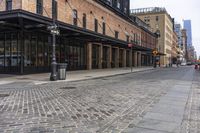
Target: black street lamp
{"x":54,"y":32}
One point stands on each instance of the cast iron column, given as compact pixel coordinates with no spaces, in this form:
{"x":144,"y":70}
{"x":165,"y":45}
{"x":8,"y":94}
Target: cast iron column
{"x":54,"y":27}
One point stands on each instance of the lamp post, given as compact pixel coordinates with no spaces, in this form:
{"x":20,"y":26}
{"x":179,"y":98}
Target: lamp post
{"x":54,"y":32}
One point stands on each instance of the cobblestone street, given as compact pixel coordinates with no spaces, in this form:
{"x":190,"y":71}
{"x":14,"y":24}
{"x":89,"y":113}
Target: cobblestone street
{"x":105,"y":105}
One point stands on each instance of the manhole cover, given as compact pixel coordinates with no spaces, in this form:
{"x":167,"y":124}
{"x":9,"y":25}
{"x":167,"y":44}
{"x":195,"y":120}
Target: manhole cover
{"x":4,"y":95}
{"x":67,"y":88}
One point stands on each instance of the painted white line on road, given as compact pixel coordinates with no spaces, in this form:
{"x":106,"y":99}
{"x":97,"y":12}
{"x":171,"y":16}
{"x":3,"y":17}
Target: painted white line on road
{"x":5,"y":82}
{"x":39,"y":82}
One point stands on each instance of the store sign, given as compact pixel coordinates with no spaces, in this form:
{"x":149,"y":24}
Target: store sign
{"x":130,"y":45}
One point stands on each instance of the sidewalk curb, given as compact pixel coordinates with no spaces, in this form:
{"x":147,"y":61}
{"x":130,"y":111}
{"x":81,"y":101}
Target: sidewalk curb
{"x":92,"y":78}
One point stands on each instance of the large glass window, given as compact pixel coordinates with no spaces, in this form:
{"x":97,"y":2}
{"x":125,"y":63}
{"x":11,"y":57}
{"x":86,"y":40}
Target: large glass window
{"x":14,"y":50}
{"x":40,"y":51}
{"x":39,"y":7}
{"x":8,"y":5}
{"x":7,"y":50}
{"x":2,"y":50}
{"x":33,"y":50}
{"x":27,"y":51}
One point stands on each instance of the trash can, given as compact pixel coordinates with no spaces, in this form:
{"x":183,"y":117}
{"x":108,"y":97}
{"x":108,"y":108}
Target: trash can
{"x":62,"y":71}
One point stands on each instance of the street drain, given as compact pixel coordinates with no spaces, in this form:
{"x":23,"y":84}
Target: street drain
{"x":4,"y":95}
{"x":68,"y":88}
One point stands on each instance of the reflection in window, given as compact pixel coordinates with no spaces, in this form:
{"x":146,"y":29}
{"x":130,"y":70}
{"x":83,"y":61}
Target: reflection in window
{"x":2,"y":50}
{"x":14,"y":51}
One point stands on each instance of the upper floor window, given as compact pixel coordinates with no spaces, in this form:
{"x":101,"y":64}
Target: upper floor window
{"x":104,"y":28}
{"x":54,"y":9}
{"x":118,"y":4}
{"x":8,"y":5}
{"x":39,"y":7}
{"x":75,"y":17}
{"x":84,"y":21}
{"x":116,"y":34}
{"x":95,"y":25}
{"x":157,"y":18}
{"x":127,"y":38}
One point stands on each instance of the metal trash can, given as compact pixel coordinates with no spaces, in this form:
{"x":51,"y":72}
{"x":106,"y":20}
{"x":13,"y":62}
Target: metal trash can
{"x":62,"y":71}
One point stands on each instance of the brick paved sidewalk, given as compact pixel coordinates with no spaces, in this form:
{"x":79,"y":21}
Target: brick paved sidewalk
{"x":71,"y":75}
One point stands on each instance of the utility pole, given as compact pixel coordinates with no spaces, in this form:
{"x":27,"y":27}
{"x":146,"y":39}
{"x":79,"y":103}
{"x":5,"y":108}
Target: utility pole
{"x":54,"y":32}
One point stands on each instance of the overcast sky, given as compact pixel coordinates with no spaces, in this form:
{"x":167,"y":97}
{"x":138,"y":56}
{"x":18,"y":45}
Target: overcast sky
{"x":178,"y":9}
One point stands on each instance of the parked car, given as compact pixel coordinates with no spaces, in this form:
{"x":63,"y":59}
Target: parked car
{"x":183,"y":64}
{"x":189,"y":63}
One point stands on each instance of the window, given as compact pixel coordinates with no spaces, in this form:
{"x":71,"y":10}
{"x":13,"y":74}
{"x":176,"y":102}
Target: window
{"x":116,"y":34}
{"x":109,"y":2}
{"x":8,"y":5}
{"x":157,"y":18}
{"x":84,"y":21}
{"x":95,"y":25}
{"x":118,"y":4}
{"x":75,"y":17}
{"x":54,"y":9}
{"x":127,"y":38}
{"x":39,"y":7}
{"x":104,"y":28}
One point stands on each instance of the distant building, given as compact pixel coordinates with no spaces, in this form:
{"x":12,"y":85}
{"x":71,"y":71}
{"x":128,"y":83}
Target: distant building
{"x":178,"y":32}
{"x":184,"y":44}
{"x":188,"y":27}
{"x":159,"y":20}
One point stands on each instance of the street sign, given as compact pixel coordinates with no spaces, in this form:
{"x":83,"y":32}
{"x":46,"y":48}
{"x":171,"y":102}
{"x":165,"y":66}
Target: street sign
{"x":130,"y":45}
{"x":155,"y":53}
{"x":55,"y":31}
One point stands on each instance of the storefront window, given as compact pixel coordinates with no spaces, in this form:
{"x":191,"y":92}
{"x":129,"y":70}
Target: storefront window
{"x":34,"y":50}
{"x":40,"y":51}
{"x":14,"y":50}
{"x":2,"y":50}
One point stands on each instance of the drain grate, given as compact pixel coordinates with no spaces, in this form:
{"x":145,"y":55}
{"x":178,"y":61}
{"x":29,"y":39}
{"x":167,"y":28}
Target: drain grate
{"x":4,"y":95}
{"x":68,"y":88}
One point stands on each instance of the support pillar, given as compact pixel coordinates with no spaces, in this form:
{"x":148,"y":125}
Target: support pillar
{"x":117,"y":58}
{"x":130,"y":59}
{"x":135,"y":59}
{"x":21,"y":37}
{"x":89,"y":56}
{"x":100,"y":56}
{"x":139,"y":59}
{"x":124,"y":58}
{"x":109,"y":57}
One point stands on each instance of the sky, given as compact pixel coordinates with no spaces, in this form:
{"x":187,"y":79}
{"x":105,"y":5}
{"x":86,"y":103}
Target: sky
{"x":180,"y":10}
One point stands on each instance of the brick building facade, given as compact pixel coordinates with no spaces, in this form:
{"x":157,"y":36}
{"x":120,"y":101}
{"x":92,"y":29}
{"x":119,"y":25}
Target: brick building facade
{"x":93,"y":34}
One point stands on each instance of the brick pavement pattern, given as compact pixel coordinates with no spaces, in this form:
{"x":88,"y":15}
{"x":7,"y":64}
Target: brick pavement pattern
{"x":102,"y":105}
